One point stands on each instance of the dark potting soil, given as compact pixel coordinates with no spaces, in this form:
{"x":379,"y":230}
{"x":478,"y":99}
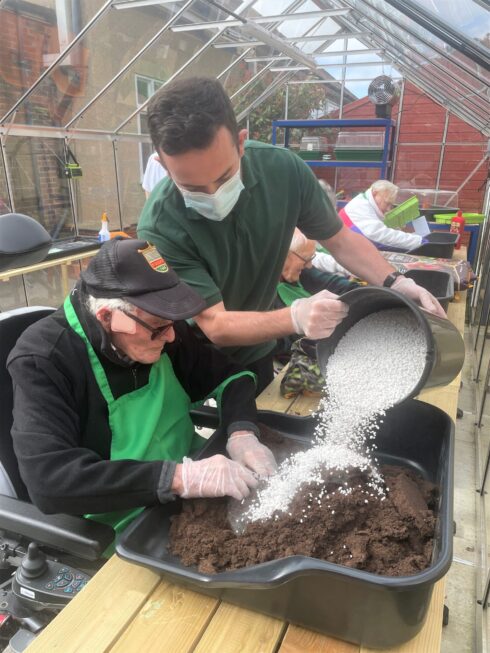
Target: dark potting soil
{"x":393,"y":537}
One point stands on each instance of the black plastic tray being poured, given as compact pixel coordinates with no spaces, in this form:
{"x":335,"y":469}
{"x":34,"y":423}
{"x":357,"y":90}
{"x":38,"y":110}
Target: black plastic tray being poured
{"x":445,"y":346}
{"x":358,"y":606}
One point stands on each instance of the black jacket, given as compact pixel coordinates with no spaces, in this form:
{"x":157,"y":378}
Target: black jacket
{"x":61,"y":432}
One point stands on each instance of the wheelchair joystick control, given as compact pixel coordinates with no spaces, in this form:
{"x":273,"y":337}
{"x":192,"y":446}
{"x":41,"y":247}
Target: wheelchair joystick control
{"x":34,"y":564}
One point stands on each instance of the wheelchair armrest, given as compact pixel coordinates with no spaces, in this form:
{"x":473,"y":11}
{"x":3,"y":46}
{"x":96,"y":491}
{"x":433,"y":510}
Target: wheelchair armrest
{"x":206,"y":416}
{"x":75,"y":535}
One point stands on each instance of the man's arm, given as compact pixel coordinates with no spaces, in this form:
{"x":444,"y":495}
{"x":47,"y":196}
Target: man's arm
{"x":358,"y":255}
{"x":226,"y":328}
{"x":318,"y":316}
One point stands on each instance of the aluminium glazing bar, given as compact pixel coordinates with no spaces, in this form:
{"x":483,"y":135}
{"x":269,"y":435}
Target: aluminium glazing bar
{"x":252,"y":79}
{"x":59,"y":58}
{"x":414,"y":65}
{"x":295,"y":39}
{"x":457,"y":40}
{"x":130,"y":63}
{"x":233,"y":63}
{"x":261,"y":19}
{"x":279,"y":80}
{"x":335,"y":53}
{"x":405,"y":29}
{"x":244,"y":5}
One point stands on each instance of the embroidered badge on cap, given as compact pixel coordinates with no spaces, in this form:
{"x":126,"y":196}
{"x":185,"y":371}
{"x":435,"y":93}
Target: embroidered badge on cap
{"x":154,"y":258}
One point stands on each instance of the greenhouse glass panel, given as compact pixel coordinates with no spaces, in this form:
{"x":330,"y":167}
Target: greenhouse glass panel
{"x":109,"y":45}
{"x":416,"y":166}
{"x":96,"y":191}
{"x":469,"y":18}
{"x":39,"y":185}
{"x":50,"y":287}
{"x":148,"y":73}
{"x":132,"y":195}
{"x":396,"y":22}
{"x":471,"y":195}
{"x":32,"y":35}
{"x":12,"y":294}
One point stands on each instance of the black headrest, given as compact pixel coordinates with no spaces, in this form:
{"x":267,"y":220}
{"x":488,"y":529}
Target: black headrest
{"x":23,"y":241}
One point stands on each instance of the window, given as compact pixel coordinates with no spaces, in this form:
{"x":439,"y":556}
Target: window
{"x":145,"y":88}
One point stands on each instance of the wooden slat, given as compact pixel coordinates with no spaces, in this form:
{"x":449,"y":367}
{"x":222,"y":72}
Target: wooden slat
{"x":173,"y":619}
{"x":271,"y":399}
{"x":237,"y":630}
{"x":94,"y":619}
{"x":301,"y":640}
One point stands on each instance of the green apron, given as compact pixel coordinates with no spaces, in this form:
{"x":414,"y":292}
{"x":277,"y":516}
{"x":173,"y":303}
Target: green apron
{"x":288,"y":292}
{"x":150,"y":423}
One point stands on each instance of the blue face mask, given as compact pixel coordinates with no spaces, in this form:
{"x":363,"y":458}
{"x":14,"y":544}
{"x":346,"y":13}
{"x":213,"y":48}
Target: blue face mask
{"x":218,"y":205}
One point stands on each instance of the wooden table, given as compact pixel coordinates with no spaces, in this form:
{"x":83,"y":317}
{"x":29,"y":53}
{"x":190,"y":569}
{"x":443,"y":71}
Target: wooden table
{"x":129,"y":609}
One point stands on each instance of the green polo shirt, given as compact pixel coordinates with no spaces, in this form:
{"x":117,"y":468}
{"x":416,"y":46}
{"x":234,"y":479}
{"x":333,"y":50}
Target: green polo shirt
{"x":239,"y":260}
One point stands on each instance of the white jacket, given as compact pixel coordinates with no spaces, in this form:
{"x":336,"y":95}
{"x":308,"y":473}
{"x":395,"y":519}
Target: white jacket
{"x":363,"y":215}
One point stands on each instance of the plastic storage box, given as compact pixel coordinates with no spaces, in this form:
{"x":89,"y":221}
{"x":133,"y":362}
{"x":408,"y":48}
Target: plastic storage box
{"x":431,"y":201}
{"x":438,"y":283}
{"x":441,"y":245}
{"x":359,"y":146}
{"x":314,"y":148}
{"x":361,"y":607}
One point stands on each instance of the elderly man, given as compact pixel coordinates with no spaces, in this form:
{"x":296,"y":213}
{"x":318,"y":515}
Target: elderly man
{"x":366,"y":212}
{"x":103,"y":389}
{"x":300,"y":279}
{"x":225,"y":216}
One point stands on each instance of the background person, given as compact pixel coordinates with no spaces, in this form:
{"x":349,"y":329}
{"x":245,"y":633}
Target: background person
{"x":225,"y":217}
{"x":154,"y":172}
{"x":102,"y":393}
{"x":366,"y":212}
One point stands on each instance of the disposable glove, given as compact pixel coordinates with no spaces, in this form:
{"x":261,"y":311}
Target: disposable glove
{"x":245,"y":448}
{"x":216,"y":476}
{"x":318,"y":315}
{"x":410,"y":289}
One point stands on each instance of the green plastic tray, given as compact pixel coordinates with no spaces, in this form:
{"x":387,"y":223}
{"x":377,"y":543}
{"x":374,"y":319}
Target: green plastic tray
{"x":405,"y":212}
{"x":358,"y":155}
{"x":470,"y":218}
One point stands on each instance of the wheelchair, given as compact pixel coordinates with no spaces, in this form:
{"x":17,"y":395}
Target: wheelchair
{"x":45,"y":560}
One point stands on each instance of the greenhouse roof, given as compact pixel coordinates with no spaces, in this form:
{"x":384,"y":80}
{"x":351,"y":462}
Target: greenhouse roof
{"x":94,"y":49}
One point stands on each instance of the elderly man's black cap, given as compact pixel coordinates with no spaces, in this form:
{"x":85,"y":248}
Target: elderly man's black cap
{"x":136,"y":271}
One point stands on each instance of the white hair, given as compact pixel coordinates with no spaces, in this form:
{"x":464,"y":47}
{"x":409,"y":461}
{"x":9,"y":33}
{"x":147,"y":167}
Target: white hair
{"x":386,"y":188}
{"x":94,"y":304}
{"x":328,"y":190}
{"x":298,"y":242}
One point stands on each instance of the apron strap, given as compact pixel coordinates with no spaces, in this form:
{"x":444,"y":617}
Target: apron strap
{"x":217,"y":393}
{"x":97,"y":368}
{"x":289,"y":292}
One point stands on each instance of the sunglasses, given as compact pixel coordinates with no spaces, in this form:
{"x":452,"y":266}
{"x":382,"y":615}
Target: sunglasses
{"x":155,"y":331}
{"x":304,"y":259}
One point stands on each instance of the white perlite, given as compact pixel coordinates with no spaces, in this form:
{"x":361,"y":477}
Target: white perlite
{"x":377,"y":363}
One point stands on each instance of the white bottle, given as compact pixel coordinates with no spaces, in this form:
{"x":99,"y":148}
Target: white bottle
{"x":104,"y":229}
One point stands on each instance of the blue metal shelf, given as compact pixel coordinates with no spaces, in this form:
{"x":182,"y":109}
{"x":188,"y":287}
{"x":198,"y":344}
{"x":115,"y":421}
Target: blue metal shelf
{"x":386,"y":124}
{"x":360,"y":122}
{"x":345,"y":164}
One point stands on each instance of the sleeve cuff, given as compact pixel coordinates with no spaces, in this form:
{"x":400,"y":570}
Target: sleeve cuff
{"x":164,"y":492}
{"x":243,"y":426}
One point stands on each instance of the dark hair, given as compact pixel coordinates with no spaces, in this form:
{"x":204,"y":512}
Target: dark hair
{"x":186,"y":114}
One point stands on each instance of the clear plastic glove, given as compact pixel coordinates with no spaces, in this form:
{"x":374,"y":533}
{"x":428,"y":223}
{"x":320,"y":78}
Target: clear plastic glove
{"x":216,"y":476}
{"x":410,"y":289}
{"x":318,"y":315}
{"x":245,"y":448}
